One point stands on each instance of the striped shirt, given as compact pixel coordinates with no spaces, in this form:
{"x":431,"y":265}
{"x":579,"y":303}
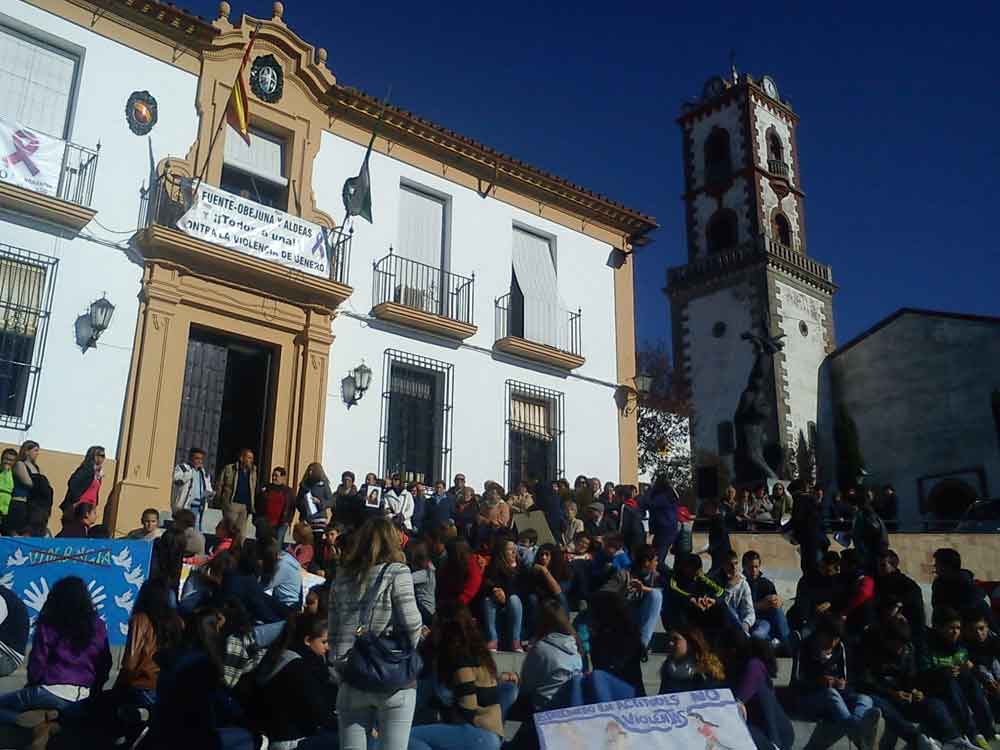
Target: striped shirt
{"x":392,"y":605}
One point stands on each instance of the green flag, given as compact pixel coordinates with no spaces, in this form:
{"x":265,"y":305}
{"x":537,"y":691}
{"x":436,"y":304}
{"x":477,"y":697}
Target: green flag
{"x":358,"y":190}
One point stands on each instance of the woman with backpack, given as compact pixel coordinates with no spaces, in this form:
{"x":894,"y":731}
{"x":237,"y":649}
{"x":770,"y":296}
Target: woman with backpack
{"x":373,"y":591}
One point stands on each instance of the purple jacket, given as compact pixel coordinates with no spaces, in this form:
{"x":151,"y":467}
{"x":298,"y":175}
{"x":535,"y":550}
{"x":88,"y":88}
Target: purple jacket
{"x":53,"y":661}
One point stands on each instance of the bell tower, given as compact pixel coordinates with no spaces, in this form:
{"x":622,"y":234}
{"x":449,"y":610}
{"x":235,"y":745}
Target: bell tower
{"x":747,"y":270}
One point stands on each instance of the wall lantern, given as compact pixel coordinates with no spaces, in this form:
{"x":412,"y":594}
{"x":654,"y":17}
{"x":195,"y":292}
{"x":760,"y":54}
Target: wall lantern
{"x":93,"y":323}
{"x":628,"y":398}
{"x":355,"y":383}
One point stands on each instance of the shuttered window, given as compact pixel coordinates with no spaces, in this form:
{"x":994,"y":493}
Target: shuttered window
{"x":255,"y":172}
{"x":36,"y":83}
{"x":421,"y":227}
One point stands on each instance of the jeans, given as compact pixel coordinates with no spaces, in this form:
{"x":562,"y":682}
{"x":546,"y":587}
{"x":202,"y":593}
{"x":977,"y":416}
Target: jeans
{"x":14,"y":704}
{"x":360,"y":712}
{"x":771,"y":623}
{"x":843,"y":710}
{"x":967,"y":702}
{"x":453,"y":737}
{"x":280,"y":531}
{"x":511,"y":615}
{"x":931,"y":716}
{"x":646,"y":612}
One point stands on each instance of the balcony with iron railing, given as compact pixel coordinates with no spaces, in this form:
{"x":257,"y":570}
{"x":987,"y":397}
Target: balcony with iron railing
{"x":423,"y":296}
{"x":66,"y":203}
{"x":762,"y":249}
{"x":777,"y":167}
{"x":558,"y":345}
{"x":237,"y":249}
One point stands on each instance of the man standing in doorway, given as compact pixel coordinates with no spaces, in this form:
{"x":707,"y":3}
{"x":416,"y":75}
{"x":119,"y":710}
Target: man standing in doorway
{"x":237,"y":485}
{"x":192,"y":486}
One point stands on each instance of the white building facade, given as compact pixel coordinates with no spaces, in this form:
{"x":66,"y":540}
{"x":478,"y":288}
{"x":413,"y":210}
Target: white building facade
{"x":491,"y":302}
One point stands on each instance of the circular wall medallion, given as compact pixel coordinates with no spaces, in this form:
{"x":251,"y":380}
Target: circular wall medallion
{"x":267,"y":81}
{"x":719,"y":330}
{"x":140,"y":112}
{"x":803,"y":328}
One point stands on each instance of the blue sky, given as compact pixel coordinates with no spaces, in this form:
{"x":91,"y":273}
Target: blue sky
{"x":899,"y":107}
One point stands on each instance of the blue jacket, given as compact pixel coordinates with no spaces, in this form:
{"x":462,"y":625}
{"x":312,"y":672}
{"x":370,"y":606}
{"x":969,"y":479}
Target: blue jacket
{"x":662,"y":509}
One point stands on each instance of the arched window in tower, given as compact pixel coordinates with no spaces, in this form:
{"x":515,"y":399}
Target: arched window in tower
{"x":718,"y":161}
{"x":776,"y":154}
{"x":781,"y":230}
{"x":721,"y":233}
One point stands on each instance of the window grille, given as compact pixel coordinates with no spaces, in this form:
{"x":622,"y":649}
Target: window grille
{"x":417,"y":414}
{"x":27,"y":281}
{"x":534,"y":445}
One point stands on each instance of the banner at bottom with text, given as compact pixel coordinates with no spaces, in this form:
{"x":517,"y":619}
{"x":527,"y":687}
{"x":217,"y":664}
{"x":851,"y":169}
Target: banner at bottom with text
{"x":113,"y":571}
{"x":698,"y":720}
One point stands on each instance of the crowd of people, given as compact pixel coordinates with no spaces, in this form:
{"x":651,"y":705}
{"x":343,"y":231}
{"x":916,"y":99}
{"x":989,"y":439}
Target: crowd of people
{"x":424,"y":585}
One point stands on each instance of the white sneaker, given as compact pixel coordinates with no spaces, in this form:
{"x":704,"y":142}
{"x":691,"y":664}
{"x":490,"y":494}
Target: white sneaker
{"x":926,"y":743}
{"x":959,"y":743}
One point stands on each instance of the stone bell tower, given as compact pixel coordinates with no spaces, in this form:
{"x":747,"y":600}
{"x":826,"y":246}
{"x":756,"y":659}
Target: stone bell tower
{"x":747,"y":270}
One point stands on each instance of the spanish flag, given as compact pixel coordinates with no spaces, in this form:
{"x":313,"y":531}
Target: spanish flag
{"x":238,"y":108}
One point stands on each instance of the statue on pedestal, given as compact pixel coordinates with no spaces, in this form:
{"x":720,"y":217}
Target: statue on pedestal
{"x":754,"y":410}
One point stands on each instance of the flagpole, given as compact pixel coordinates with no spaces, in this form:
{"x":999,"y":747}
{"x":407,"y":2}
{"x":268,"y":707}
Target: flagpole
{"x":348,"y":216}
{"x":225,"y":109}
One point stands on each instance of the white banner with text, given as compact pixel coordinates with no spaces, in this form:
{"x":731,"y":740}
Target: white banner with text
{"x":253,"y":229}
{"x":30,"y":159}
{"x":699,"y":720}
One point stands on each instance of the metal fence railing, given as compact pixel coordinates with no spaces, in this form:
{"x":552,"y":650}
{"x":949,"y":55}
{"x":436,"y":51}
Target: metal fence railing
{"x":423,"y":287}
{"x":509,"y":321}
{"x":78,"y":174}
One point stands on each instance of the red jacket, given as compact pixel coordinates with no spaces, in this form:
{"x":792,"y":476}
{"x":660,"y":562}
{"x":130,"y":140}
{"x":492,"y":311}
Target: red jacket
{"x":450,"y":589}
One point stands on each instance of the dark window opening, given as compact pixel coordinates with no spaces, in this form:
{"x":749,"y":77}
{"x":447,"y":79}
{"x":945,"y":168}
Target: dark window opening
{"x":721,"y":233}
{"x":775,"y":149}
{"x":516,"y":307}
{"x":782,"y":230}
{"x":718,"y":160}
{"x":251,"y":188}
{"x":535,"y":450}
{"x":416,"y":417}
{"x":26,"y":283}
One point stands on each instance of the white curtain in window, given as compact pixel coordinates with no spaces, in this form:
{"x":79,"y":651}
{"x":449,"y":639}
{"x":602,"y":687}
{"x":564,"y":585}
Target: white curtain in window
{"x":545,"y":318}
{"x":421,"y":227}
{"x":36,"y":84}
{"x":421,"y":238}
{"x":264,"y":157}
{"x":530,"y":418}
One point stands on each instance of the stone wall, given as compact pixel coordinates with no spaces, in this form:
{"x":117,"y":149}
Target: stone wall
{"x":781,"y":559}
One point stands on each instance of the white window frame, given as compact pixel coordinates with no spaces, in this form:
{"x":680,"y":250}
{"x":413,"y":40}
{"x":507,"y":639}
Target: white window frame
{"x":61,"y":46}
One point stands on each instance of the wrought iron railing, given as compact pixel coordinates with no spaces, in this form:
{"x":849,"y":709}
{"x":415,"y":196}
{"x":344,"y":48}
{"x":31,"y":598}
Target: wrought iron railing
{"x":564,"y":334}
{"x":78,"y":174}
{"x":778,"y":167}
{"x":172,"y":195}
{"x":423,"y":287}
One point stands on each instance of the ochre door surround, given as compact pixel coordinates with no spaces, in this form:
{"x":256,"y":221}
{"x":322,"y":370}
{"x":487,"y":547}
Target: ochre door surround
{"x":172,"y":301}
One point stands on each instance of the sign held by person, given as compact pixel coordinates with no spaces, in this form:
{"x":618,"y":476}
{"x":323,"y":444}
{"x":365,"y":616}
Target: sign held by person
{"x":698,"y":720}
